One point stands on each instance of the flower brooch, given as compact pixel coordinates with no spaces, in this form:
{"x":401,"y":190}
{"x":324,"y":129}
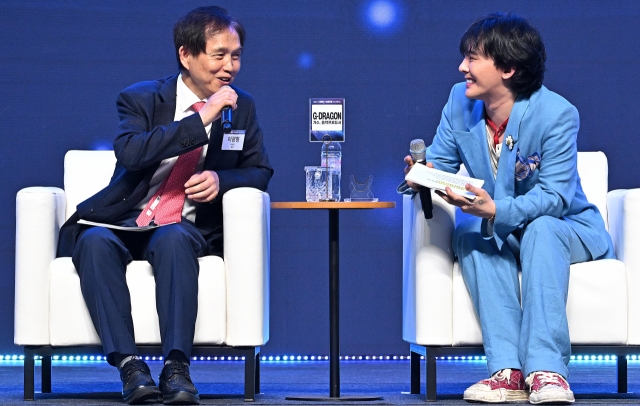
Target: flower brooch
{"x":510,"y":142}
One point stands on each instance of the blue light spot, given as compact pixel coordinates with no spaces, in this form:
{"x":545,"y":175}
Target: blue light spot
{"x":305,"y":60}
{"x":383,"y":17}
{"x":103,"y":145}
{"x":381,"y":13}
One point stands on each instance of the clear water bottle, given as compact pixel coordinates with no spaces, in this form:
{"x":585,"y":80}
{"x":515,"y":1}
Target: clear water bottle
{"x":331,"y":158}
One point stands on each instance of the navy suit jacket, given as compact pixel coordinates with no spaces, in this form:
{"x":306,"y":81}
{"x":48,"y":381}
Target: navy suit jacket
{"x":147,"y":134}
{"x":544,"y":123}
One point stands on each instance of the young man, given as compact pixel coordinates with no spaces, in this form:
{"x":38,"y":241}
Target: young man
{"x":172,"y":170}
{"x":531,"y":216}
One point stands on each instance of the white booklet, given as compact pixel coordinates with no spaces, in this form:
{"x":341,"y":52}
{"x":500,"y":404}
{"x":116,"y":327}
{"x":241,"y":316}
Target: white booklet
{"x":439,"y":180}
{"x":123,"y":228}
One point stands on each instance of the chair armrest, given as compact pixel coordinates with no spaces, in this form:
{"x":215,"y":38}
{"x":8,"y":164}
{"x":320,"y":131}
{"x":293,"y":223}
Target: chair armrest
{"x":39,"y":216}
{"x":246,"y":218}
{"x":624,"y":227}
{"x":427,"y":246}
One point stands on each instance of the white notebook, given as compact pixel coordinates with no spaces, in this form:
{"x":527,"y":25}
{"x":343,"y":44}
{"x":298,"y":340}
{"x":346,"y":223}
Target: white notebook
{"x":123,"y":228}
{"x":439,"y":180}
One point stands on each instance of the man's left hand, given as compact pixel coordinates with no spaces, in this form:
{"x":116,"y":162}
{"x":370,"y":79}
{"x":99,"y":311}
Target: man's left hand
{"x":202,"y":187}
{"x":482,"y":206}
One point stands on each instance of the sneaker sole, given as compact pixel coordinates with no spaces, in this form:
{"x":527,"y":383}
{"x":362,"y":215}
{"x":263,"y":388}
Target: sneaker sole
{"x":553,"y":398}
{"x":511,"y":396}
{"x":181,"y":398}
{"x":143,"y":394}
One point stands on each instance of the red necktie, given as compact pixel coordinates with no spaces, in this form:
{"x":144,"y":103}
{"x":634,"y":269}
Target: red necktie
{"x":497,"y":131}
{"x":165,"y":206}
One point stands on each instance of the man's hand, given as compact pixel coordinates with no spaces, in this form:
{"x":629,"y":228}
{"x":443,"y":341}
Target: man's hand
{"x":409,"y":161}
{"x":482,"y":206}
{"x":211,"y":111}
{"x":202,"y":187}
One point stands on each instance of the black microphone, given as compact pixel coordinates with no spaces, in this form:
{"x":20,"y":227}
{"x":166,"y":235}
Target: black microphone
{"x":418,"y":151}
{"x":226,"y":118}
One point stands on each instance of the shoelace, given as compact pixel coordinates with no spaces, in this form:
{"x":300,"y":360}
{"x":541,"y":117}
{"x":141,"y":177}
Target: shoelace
{"x":179,"y":368}
{"x":133,"y":366}
{"x":503,"y":374}
{"x":547,"y":378}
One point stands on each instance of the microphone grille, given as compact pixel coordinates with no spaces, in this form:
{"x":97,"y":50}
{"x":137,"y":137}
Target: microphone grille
{"x":417,"y":150}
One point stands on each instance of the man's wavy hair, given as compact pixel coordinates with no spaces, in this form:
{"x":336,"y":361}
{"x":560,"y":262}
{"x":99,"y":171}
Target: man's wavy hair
{"x":194,"y":29}
{"x":511,"y":42}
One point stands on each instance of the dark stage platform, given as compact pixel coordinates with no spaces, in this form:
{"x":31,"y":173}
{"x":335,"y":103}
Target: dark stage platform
{"x":221,"y":382}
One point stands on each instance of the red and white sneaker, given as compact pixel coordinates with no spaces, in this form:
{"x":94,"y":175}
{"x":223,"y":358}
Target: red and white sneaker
{"x":506,"y":385}
{"x":548,"y":387}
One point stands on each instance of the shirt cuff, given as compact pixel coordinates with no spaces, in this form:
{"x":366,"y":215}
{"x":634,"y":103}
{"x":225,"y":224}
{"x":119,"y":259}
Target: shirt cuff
{"x":404,"y":189}
{"x":490,"y":226}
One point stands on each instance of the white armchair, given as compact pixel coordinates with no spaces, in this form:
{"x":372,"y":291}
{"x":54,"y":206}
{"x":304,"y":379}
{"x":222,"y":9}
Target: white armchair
{"x":50,"y":314}
{"x":603,"y":307}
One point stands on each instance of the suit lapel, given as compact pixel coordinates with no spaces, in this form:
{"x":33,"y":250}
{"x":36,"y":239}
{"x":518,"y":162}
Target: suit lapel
{"x":165,"y":109}
{"x":505,"y":179}
{"x":473,"y":145}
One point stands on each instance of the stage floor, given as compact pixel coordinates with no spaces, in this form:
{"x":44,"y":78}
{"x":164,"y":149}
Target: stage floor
{"x":221,"y":382}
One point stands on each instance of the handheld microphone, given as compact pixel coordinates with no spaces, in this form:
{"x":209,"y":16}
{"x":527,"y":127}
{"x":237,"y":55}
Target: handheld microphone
{"x":226,"y":118}
{"x":418,"y":151}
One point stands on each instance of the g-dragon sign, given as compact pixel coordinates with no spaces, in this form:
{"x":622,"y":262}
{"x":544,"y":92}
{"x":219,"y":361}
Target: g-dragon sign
{"x":326,"y":118}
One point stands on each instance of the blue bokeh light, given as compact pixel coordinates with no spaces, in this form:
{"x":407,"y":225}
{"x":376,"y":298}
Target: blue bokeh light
{"x":103,"y":145}
{"x":383,"y":17}
{"x":305,"y":60}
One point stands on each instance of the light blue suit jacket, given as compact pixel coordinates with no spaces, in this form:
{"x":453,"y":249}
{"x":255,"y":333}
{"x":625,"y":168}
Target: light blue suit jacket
{"x":544,"y":123}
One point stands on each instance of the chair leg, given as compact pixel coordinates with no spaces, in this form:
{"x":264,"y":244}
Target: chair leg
{"x":258,"y":373}
{"x":29,"y":375}
{"x":250,"y":376}
{"x":414,"y":363}
{"x":622,"y":373}
{"x":46,"y":374}
{"x":431,"y":375}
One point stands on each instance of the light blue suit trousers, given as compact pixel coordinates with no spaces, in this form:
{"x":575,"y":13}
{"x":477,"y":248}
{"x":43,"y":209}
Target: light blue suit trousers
{"x":531,"y":334}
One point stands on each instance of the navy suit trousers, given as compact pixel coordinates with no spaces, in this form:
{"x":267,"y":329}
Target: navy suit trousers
{"x":101,"y":256}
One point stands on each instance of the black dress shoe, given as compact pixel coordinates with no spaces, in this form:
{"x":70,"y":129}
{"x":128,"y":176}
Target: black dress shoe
{"x":176,"y":385}
{"x":137,"y":384}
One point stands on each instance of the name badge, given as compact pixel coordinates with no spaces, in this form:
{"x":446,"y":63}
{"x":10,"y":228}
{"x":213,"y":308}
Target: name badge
{"x":233,"y":141}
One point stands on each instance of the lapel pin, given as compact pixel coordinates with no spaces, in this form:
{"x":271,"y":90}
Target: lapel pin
{"x":510,"y":142}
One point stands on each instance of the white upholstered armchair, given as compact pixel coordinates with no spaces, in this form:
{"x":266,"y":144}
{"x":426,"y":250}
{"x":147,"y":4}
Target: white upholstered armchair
{"x":51,"y":316}
{"x":603,"y":305}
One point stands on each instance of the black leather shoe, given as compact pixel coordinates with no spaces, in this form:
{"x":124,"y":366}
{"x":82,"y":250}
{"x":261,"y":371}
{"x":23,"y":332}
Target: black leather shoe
{"x":176,"y":385}
{"x":137,"y":384}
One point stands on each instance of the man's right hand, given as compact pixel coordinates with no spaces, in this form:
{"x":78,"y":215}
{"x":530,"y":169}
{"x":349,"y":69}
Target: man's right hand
{"x":409,"y":161}
{"x":224,"y":97}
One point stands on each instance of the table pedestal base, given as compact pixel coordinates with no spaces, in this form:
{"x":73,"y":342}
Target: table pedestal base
{"x":334,"y":399}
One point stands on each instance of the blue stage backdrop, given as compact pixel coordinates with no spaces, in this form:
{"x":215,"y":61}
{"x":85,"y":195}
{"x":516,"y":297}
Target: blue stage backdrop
{"x":394,"y":61}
